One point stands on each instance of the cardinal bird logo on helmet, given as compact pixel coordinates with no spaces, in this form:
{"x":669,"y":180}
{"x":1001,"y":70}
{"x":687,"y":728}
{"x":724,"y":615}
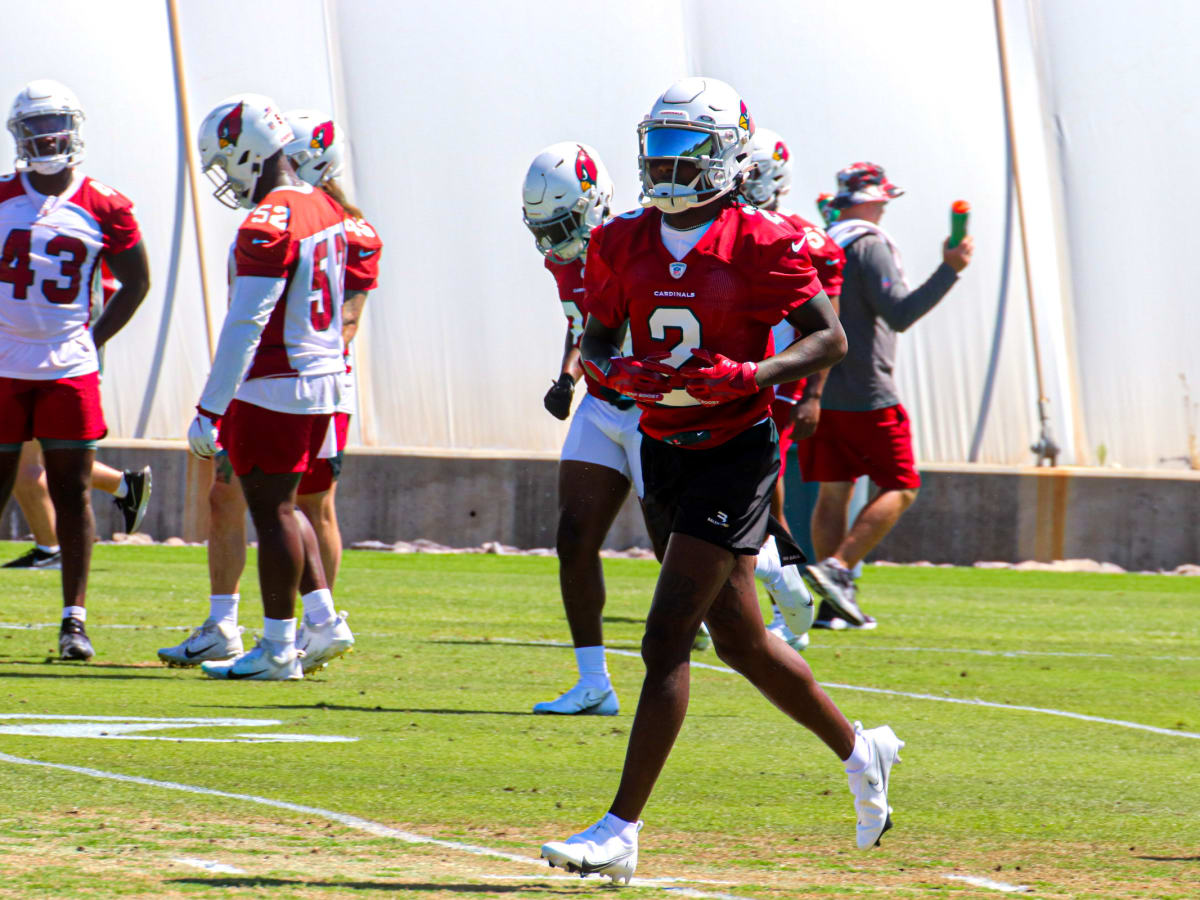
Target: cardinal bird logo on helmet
{"x":780,"y":154}
{"x":744,"y":120}
{"x":585,"y":170}
{"x":230,"y":128}
{"x":322,"y":136}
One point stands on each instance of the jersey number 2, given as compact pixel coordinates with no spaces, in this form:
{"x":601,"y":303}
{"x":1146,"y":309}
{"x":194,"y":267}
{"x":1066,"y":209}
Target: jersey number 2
{"x":16,"y":270}
{"x":677,"y":323}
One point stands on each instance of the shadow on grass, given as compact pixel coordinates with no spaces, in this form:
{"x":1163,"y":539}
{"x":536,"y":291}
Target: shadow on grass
{"x":394,"y":886}
{"x":371,"y":709}
{"x":1170,"y":858}
{"x":69,"y":669}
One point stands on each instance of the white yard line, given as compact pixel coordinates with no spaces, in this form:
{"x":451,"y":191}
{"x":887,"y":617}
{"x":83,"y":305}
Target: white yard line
{"x":1001,"y":886}
{"x":1154,"y":729}
{"x":349,"y":821}
{"x":209,"y":865}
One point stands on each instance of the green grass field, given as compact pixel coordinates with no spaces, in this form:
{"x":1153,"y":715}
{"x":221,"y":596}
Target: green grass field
{"x":452,"y":654}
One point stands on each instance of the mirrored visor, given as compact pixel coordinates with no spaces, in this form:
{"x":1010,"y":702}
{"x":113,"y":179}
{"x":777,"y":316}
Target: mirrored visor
{"x":45,"y":124}
{"x":686,"y":142}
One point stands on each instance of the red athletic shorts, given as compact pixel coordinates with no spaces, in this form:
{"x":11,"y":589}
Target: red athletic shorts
{"x":846,"y":445}
{"x":273,"y":442}
{"x":61,"y":409}
{"x":322,"y":473}
{"x":781,"y":412}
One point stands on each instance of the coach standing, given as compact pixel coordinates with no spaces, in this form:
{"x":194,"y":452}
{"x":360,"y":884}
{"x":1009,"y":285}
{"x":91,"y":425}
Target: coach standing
{"x":863,"y":428}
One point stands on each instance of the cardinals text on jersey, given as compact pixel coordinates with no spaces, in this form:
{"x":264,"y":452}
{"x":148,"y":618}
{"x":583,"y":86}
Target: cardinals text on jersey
{"x":746,"y":273}
{"x":49,"y":262}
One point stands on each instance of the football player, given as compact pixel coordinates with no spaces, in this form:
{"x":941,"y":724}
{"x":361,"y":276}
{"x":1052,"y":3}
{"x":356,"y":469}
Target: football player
{"x":316,"y":153}
{"x":275,"y":381}
{"x":701,"y":280}
{"x":130,"y":491}
{"x":567,"y":193}
{"x":56,"y":226}
{"x":797,"y":405}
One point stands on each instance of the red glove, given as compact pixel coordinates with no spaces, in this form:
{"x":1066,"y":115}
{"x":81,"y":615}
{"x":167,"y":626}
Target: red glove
{"x":645,"y":380}
{"x":721,"y":381}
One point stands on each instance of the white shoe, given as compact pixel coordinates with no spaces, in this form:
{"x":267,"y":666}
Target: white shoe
{"x":702,"y":640}
{"x":581,"y":701}
{"x":595,"y":851}
{"x":268,"y":661}
{"x":322,"y":644}
{"x":779,"y":628}
{"x":212,"y":640}
{"x":870,"y":786}
{"x":791,"y":596}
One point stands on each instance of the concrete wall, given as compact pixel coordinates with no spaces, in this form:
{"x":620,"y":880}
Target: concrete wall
{"x":1139,"y":520}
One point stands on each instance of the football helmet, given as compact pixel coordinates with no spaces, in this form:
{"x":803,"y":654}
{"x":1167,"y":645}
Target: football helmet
{"x":567,"y":193}
{"x":771,"y":175}
{"x":702,"y":127}
{"x":319,"y":145}
{"x":44,"y":121}
{"x":236,"y":138}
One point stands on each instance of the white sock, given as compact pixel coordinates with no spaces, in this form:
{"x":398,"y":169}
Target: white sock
{"x":860,"y":756}
{"x":318,"y":606}
{"x":282,"y":631}
{"x":45,"y":549}
{"x":592,"y":670}
{"x":618,"y":826}
{"x":224,"y":608}
{"x":122,"y":488}
{"x":75,"y":612}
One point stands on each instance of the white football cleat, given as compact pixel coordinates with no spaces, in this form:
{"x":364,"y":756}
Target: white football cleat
{"x":779,"y":628}
{"x":870,"y":786}
{"x":595,"y":851}
{"x":268,"y":661}
{"x":322,"y":644}
{"x":581,"y":701}
{"x":702,"y":640}
{"x":213,"y":640}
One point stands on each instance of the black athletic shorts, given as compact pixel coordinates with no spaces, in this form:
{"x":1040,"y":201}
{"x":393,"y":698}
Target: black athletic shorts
{"x":720,"y":494}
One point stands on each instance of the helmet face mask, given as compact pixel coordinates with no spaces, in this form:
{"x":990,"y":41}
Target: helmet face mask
{"x":45,"y":121}
{"x":567,"y":193}
{"x":229,"y":192}
{"x":692,"y":145}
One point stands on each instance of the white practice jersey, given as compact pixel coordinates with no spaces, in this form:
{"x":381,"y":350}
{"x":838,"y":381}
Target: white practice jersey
{"x":50,"y":249}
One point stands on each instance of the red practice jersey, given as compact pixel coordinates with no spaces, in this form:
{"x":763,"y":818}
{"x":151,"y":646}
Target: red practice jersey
{"x":50,"y":255}
{"x":362,"y":262}
{"x":746,"y":274}
{"x":569,"y":279}
{"x":829,"y":260}
{"x":297,"y":234}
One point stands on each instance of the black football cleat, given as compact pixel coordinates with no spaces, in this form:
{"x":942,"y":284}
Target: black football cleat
{"x":73,"y":641}
{"x":133,"y":504}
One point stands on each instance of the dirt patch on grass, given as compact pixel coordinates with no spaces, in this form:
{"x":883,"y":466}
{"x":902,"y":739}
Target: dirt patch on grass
{"x":99,"y":855}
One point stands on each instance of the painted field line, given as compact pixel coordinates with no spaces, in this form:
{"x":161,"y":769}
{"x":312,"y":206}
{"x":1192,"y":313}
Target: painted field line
{"x":1154,"y":729}
{"x":210,"y":865}
{"x":358,"y":824}
{"x":1002,"y":886}
{"x":1001,"y":653}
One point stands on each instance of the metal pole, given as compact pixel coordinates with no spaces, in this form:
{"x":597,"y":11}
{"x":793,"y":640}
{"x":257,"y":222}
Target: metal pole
{"x":1045,"y":448}
{"x":193,"y":167}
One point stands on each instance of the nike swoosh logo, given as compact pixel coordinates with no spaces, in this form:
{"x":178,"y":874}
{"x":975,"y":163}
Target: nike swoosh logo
{"x":588,"y":868}
{"x":190,"y":655}
{"x":363,"y":254}
{"x":235,"y":675}
{"x":796,"y":246}
{"x":258,"y":240}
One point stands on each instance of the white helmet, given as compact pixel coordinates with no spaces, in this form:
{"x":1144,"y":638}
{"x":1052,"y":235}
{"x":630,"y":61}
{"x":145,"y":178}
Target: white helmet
{"x":703,"y":126}
{"x":236,"y":138}
{"x":317,"y":150}
{"x":771,"y":175}
{"x":567,"y":193}
{"x":44,"y":121}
